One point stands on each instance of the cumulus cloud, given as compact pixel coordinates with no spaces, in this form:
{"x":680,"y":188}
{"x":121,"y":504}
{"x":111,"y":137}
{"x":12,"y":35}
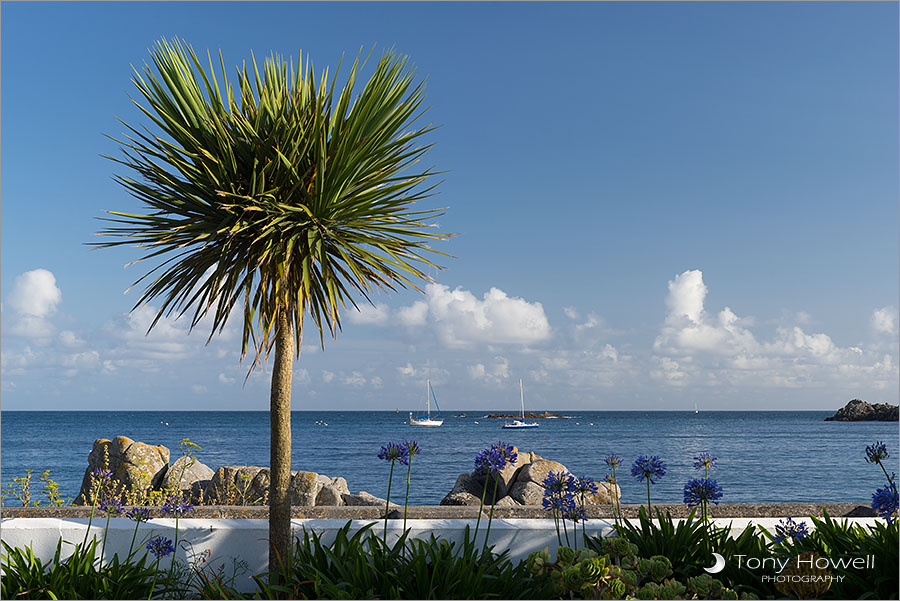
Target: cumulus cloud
{"x":414,"y":315}
{"x":884,"y":320}
{"x":695,"y":346}
{"x":495,"y":373}
{"x":570,"y":312}
{"x":462,"y":320}
{"x":374,"y":315}
{"x":33,"y":298}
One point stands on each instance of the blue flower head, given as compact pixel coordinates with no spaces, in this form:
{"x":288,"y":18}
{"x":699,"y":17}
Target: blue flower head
{"x":585,"y":485}
{"x":395,"y":452}
{"x":412,"y":448}
{"x":102,"y":473}
{"x":177,"y":505}
{"x":648,"y":468}
{"x":562,"y":502}
{"x":701,"y":490}
{"x":704,"y":461}
{"x":884,"y":501}
{"x":610,"y":478}
{"x":789,"y":529}
{"x":574,"y":512}
{"x":138,"y":514}
{"x":560,"y":483}
{"x":110,"y":506}
{"x":494,"y":458}
{"x":613,"y":460}
{"x":876,"y":453}
{"x":160,"y":547}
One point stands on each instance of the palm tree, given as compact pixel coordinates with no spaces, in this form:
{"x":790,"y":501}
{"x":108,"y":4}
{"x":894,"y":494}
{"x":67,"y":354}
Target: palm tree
{"x":290,"y":200}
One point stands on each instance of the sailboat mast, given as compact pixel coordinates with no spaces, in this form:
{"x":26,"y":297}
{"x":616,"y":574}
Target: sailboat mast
{"x":522,"y":397}
{"x":428,"y":397}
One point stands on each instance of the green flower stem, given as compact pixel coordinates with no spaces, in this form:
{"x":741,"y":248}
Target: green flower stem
{"x":885,"y":473}
{"x":105,"y":535}
{"x":406,"y":502}
{"x":153,"y":584}
{"x":584,"y":519}
{"x":387,"y":502}
{"x":649,"y":512}
{"x":90,"y":521}
{"x":491,"y":516}
{"x":480,"y":509}
{"x":556,"y":523}
{"x":133,"y":538}
{"x":172,"y":566}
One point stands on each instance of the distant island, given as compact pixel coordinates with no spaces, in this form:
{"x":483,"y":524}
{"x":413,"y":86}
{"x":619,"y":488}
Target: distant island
{"x":529,"y":415}
{"x":860,"y":411}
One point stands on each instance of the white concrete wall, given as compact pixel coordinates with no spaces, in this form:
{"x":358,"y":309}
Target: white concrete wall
{"x":246,"y":539}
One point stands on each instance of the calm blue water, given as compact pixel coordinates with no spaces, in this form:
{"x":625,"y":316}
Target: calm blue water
{"x":763,"y":456}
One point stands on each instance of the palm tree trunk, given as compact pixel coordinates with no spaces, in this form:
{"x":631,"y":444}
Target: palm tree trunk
{"x":280,"y":445}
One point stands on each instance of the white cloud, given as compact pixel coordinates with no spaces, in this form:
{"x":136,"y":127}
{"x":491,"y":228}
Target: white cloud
{"x":884,"y":320}
{"x":223,"y":379}
{"x":198,"y":389}
{"x":694,"y":346}
{"x":355,"y":379}
{"x":327,"y":376}
{"x":33,"y":298}
{"x":69,"y":339}
{"x":375,"y":315}
{"x":570,"y":312}
{"x":414,"y":315}
{"x":462,"y":320}
{"x":495,"y":373}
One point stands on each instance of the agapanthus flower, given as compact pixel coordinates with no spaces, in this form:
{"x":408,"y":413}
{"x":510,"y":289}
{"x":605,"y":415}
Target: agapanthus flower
{"x":704,"y":461}
{"x":557,"y":501}
{"x":177,"y":505}
{"x":494,"y":458}
{"x":613,"y":460}
{"x":789,"y":529}
{"x":138,"y":514}
{"x":585,"y":485}
{"x":110,"y":505}
{"x":102,"y":473}
{"x":395,"y":452}
{"x":412,"y":448}
{"x":610,"y":478}
{"x":574,"y":512}
{"x":884,"y":501}
{"x":701,"y":490}
{"x":876,"y":453}
{"x":160,"y":547}
{"x":559,"y":482}
{"x":648,"y":468}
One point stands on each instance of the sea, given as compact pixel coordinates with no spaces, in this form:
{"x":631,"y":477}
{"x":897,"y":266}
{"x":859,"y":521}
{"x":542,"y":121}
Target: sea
{"x":763,"y":456}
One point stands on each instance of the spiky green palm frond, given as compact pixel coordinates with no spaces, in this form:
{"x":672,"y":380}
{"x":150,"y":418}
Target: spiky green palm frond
{"x":294,"y":196}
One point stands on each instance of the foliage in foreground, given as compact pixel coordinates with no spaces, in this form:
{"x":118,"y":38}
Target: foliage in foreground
{"x":363,"y":566}
{"x":80,"y":576}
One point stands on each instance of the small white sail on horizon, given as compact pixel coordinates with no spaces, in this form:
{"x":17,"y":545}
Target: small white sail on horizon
{"x":520,"y":424}
{"x":427,"y":420}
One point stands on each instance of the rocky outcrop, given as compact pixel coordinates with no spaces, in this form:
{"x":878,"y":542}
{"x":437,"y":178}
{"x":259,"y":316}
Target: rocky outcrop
{"x":520,"y":483}
{"x":190,"y":477}
{"x":239,"y":485}
{"x":529,"y":415}
{"x":861,"y":411}
{"x":364,"y":498}
{"x":135,"y":467}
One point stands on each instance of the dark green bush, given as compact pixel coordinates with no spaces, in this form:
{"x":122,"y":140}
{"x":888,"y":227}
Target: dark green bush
{"x":80,"y":576}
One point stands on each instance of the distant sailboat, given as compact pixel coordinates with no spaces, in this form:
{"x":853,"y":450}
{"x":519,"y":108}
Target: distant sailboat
{"x":695,"y":407}
{"x":519,"y":424}
{"x":427,"y":421}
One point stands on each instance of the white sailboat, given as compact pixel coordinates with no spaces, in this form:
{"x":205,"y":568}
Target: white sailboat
{"x":427,"y":420}
{"x":520,"y":424}
{"x":695,"y":407}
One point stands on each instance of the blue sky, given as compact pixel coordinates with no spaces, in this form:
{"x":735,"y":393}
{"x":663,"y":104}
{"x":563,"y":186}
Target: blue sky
{"x":656,"y":204}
